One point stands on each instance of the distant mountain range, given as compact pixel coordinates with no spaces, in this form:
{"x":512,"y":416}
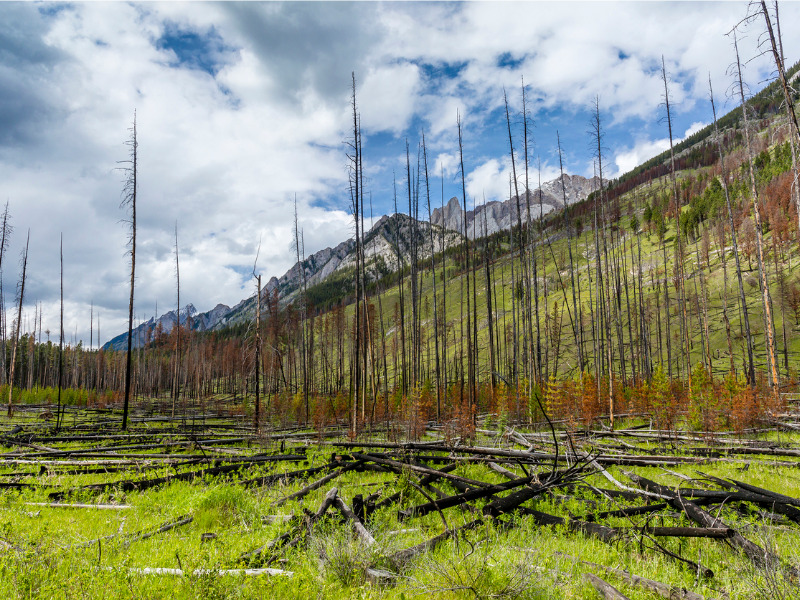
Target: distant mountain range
{"x":386,"y":245}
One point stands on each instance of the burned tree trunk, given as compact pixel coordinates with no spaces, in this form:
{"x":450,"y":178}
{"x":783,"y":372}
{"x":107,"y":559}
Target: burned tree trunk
{"x":129,"y":200}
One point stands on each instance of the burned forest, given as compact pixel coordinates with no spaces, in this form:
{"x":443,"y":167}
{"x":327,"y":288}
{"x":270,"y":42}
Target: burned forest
{"x":587,"y":388}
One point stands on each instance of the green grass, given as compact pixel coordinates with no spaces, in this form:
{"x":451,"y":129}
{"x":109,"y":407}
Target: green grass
{"x":517,"y":559}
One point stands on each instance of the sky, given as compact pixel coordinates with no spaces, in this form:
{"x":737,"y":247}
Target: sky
{"x":244,"y":108}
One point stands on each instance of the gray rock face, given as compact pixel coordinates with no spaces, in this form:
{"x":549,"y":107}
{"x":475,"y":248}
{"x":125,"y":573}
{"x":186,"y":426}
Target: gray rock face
{"x":145,"y":332}
{"x":386,"y":246}
{"x":492,"y":217}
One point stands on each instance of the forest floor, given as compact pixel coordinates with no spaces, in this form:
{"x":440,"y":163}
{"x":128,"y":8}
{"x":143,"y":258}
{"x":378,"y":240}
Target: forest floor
{"x":202,"y":506}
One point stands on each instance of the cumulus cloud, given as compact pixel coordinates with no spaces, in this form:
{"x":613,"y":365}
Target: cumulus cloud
{"x":644,"y":150}
{"x":240,"y":106}
{"x":489,"y":180}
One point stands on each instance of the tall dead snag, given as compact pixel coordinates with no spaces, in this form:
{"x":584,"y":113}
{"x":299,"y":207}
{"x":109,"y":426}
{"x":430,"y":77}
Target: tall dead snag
{"x":20,"y":300}
{"x":536,"y":359}
{"x":415,"y":352}
{"x":489,"y":315}
{"x":568,"y":226}
{"x":769,"y":325}
{"x":302,"y":328}
{"x":471,"y":366}
{"x":776,"y":46}
{"x":258,"y":339}
{"x":176,"y":385}
{"x":680,"y":259}
{"x":61,"y":338}
{"x":751,"y":374}
{"x":602,"y":300}
{"x":129,"y":202}
{"x":355,"y":193}
{"x":5,"y":236}
{"x":522,"y":258}
{"x":435,"y":297}
{"x":779,"y":64}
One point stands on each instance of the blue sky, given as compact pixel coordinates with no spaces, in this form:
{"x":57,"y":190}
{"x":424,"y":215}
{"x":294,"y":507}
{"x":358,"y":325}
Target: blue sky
{"x":242,"y":106}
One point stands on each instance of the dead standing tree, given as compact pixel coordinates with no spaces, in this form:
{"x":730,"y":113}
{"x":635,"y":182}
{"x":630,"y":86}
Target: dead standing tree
{"x":61,"y":336}
{"x":355,"y":192}
{"x":20,"y":300}
{"x":129,"y":202}
{"x":769,"y":324}
{"x":257,"y":411}
{"x":5,"y":236}
{"x":177,"y":386}
{"x":751,"y":376}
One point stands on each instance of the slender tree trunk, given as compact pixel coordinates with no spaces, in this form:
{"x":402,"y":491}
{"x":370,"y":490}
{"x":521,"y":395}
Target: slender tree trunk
{"x":769,"y":328}
{"x":130,"y":200}
{"x":472,"y":392}
{"x":20,"y":301}
{"x":435,"y":298}
{"x":61,"y":335}
{"x":680,"y":258}
{"x":751,"y":373}
{"x":356,"y":197}
{"x":568,"y":227}
{"x":176,"y":386}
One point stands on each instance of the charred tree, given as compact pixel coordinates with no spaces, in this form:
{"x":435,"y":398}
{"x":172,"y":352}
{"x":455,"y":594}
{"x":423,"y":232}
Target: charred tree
{"x":129,"y":201}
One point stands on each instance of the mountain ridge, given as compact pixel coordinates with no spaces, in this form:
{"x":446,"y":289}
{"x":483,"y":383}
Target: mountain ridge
{"x":386,"y":246}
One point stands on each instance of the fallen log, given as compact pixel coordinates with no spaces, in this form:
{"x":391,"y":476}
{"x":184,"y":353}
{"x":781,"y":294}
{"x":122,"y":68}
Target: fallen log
{"x":358,"y":526}
{"x":315,"y":485}
{"x":292,"y":537}
{"x":132,"y":484}
{"x":133,"y":537}
{"x":400,"y":466}
{"x":601,"y":532}
{"x":265,"y":480}
{"x":665,"y":591}
{"x":626,"y":512}
{"x":399,"y":559}
{"x":164,"y":528}
{"x":760,"y":557}
{"x":606,"y":590}
{"x":75,"y":505}
{"x":207,"y":572}
{"x":474,"y":494}
{"x":510,"y":475}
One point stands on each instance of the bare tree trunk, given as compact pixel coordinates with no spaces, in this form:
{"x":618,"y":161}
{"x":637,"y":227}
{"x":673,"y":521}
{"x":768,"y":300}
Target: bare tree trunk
{"x":5,"y":235}
{"x":751,"y":373}
{"x":605,"y":313}
{"x":257,"y":414}
{"x":470,"y":362}
{"x":129,"y":200}
{"x":20,"y":300}
{"x":177,"y":384}
{"x":435,"y":298}
{"x":568,"y":227}
{"x":526,"y":304}
{"x":356,"y":198}
{"x":769,"y":328}
{"x":780,"y":61}
{"x":680,"y":258}
{"x":61,"y":337}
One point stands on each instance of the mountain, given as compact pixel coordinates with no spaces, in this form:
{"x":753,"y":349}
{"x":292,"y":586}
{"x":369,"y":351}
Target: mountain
{"x":492,"y":217}
{"x":190,"y":318}
{"x":387,"y":245}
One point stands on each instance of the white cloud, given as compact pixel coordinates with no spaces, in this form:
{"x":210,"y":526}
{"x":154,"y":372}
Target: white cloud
{"x":694,"y":128}
{"x":644,"y":150}
{"x":489,"y":180}
{"x":387,"y":97}
{"x":447,"y":163}
{"x":224,"y":153}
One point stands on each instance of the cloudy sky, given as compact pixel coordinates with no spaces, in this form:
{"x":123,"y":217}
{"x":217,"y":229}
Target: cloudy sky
{"x":241,"y":107}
